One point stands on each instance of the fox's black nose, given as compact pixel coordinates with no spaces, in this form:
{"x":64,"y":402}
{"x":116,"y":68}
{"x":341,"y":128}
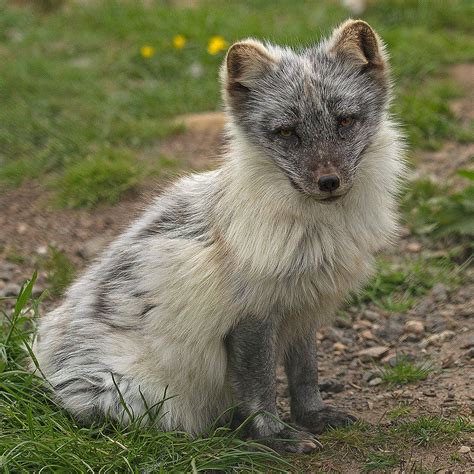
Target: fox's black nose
{"x":328,"y":182}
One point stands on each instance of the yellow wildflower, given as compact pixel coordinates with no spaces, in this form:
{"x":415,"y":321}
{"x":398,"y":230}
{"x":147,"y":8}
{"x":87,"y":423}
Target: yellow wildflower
{"x":216,"y":45}
{"x":147,"y":51}
{"x":179,"y":41}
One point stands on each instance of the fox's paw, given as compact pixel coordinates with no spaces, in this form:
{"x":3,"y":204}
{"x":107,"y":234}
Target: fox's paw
{"x":328,"y":417}
{"x":291,"y":441}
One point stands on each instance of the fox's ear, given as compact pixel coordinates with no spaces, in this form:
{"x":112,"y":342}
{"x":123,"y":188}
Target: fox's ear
{"x":358,"y":42}
{"x":245,"y":63}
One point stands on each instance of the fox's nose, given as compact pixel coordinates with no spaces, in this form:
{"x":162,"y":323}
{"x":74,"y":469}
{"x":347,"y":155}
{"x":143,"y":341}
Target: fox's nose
{"x":329,"y":182}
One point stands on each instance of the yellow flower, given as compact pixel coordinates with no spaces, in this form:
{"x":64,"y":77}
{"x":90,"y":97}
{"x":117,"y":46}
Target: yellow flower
{"x":179,"y":41}
{"x":216,"y":45}
{"x":147,"y":51}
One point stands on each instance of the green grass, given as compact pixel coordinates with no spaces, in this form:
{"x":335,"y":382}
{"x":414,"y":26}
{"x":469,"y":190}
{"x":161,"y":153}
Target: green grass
{"x":404,"y":371}
{"x":400,"y":411}
{"x":380,"y":446}
{"x":431,"y":430}
{"x":384,"y":460}
{"x":73,"y":82}
{"x":60,"y":271}
{"x":36,"y":435}
{"x":397,"y":286}
{"x":101,"y":178}
{"x":430,"y":209}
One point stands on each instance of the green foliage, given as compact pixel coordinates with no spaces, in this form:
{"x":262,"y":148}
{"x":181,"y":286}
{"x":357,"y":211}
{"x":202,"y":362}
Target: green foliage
{"x":14,"y":257}
{"x":430,"y":430}
{"x":431,"y":209}
{"x":397,"y":286}
{"x":399,"y":412}
{"x":380,"y":446}
{"x":60,"y":270}
{"x":381,"y":460}
{"x":404,"y":371}
{"x":100,"y":178}
{"x":36,"y":435}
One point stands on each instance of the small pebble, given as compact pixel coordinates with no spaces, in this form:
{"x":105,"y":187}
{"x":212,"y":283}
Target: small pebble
{"x":331,"y":386}
{"x":413,"y":247}
{"x":414,"y":326}
{"x":343,"y":323}
{"x":439,"y":292}
{"x":42,"y":250}
{"x":339,"y":346}
{"x":21,"y":228}
{"x":375,"y":381}
{"x":367,"y":334}
{"x":375,"y":352}
{"x":464,"y":450}
{"x":371,"y":315}
{"x":437,"y":338}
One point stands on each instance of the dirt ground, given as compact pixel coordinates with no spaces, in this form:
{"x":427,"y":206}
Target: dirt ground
{"x":444,"y":335}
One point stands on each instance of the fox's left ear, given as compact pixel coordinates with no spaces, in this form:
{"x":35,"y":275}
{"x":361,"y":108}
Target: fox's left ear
{"x":359,"y":43}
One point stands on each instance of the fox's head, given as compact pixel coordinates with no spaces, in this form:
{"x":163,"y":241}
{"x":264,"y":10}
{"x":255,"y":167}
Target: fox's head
{"x":315,"y":112}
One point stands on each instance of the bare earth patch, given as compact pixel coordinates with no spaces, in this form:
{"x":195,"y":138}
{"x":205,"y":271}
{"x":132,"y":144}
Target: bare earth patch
{"x":442,"y":337}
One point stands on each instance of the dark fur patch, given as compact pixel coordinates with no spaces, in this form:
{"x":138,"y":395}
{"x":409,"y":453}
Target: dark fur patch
{"x":147,"y":309}
{"x":181,"y":222}
{"x":104,"y":313}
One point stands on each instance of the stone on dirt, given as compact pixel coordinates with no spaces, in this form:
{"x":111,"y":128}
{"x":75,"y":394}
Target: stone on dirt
{"x":375,"y":352}
{"x":414,"y":326}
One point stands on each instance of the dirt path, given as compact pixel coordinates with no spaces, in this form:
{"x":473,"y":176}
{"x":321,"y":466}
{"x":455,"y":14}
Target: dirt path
{"x":439,"y":331}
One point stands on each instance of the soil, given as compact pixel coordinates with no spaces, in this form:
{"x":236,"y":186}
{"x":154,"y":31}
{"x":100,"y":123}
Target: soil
{"x":444,"y":323}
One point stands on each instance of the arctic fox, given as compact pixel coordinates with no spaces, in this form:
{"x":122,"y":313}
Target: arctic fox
{"x":231,"y":270}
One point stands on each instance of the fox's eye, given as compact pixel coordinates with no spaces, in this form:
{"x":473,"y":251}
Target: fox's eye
{"x":286,"y":132}
{"x":344,"y":122}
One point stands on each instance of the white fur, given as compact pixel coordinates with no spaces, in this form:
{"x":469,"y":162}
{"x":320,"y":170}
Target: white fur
{"x":294,"y":255}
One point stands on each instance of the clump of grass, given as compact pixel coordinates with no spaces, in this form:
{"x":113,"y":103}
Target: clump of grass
{"x":397,"y":286}
{"x":429,"y":430}
{"x":60,"y":270}
{"x":428,"y":112}
{"x":101,"y":178}
{"x":382,"y":460}
{"x":383,"y":446}
{"x":399,"y":412}
{"x":14,"y":257}
{"x":404,"y":371}
{"x":431,"y":209}
{"x":37,"y":435}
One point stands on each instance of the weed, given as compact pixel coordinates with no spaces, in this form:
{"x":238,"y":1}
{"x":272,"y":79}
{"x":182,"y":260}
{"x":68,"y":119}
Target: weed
{"x":399,"y":412}
{"x":404,"y":371}
{"x":381,"y":460}
{"x":60,"y":271}
{"x":429,"y":430}
{"x":14,"y":257}
{"x":431,"y":209}
{"x":384,"y":446}
{"x":397,"y":286}
{"x":101,"y":178}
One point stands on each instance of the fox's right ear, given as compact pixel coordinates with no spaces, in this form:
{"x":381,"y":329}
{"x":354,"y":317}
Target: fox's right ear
{"x":245,"y":63}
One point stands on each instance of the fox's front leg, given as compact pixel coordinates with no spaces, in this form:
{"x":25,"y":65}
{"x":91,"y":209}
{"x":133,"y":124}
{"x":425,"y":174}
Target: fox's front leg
{"x":307,"y":407}
{"x":252,"y":365}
